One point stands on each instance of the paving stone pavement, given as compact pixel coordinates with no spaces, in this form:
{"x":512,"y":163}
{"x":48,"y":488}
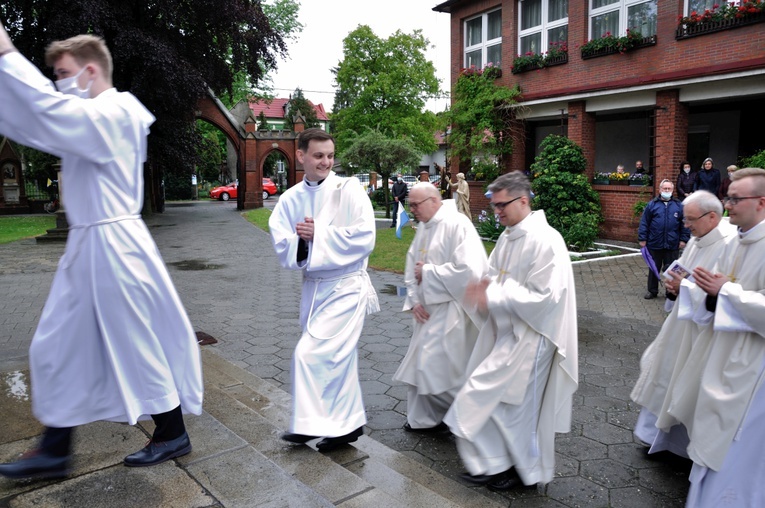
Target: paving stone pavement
{"x":234,"y":289}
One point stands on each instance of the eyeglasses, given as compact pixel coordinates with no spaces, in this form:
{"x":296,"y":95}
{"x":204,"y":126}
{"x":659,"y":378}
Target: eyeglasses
{"x":501,"y":206}
{"x":413,"y":205}
{"x":735,"y":200}
{"x":688,"y":220}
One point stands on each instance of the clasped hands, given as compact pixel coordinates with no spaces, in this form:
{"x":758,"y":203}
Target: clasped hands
{"x":305,"y":229}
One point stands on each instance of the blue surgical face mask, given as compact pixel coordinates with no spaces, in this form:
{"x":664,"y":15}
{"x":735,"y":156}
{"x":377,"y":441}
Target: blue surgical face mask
{"x":69,"y":86}
{"x":666,"y":196}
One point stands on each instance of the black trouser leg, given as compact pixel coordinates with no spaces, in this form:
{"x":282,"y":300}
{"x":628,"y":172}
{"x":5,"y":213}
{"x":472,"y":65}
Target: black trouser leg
{"x":57,"y":441}
{"x":169,"y":425}
{"x":395,"y":212}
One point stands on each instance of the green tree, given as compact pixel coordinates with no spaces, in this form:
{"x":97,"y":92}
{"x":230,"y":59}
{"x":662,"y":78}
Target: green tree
{"x":384,"y":84}
{"x":298,"y":102}
{"x":480,"y":119}
{"x":564,"y":193}
{"x":169,"y":54}
{"x":755,"y":161}
{"x":374,"y":151}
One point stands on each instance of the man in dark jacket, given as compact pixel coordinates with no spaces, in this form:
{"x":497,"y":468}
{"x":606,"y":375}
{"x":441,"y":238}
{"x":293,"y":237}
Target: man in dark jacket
{"x":663,"y":232}
{"x":399,"y":192}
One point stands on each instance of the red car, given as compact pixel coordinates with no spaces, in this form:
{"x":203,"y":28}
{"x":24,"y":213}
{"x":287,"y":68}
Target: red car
{"x":226,"y":192}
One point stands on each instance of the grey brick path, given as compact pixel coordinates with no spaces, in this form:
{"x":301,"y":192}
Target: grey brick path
{"x":233,"y":288}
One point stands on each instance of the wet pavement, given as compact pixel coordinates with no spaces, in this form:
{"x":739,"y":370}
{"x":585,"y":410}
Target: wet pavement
{"x":234,"y":290}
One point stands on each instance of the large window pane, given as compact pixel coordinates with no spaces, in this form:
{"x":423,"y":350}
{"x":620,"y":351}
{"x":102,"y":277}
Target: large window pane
{"x":605,"y":23}
{"x":702,"y":5}
{"x":557,"y":9}
{"x":531,"y":14}
{"x":557,"y":35}
{"x":642,"y":18}
{"x":602,"y":3}
{"x":495,"y":25}
{"x":474,"y":31}
{"x":473,"y":59}
{"x":531,"y":43}
{"x":494,"y":55}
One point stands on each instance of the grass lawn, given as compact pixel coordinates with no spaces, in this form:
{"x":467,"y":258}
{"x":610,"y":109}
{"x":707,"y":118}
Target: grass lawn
{"x":14,"y":228}
{"x":389,"y":253}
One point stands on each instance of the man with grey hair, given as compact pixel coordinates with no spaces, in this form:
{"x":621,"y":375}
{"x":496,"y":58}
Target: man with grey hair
{"x":666,"y":355}
{"x":719,"y":396}
{"x":523,"y":370}
{"x":445,"y":254}
{"x":661,"y":230}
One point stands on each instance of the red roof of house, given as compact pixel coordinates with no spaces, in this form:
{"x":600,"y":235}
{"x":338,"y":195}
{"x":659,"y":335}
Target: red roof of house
{"x":275,"y":108}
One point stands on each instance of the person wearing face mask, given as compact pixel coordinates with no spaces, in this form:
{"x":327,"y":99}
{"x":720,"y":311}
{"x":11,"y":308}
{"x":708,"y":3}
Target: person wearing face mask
{"x":114,"y":342}
{"x":663,"y":232}
{"x":726,"y":182}
{"x":686,"y":180}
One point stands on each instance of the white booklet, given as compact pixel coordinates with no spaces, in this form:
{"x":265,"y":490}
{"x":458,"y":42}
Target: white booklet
{"x":678,"y":269}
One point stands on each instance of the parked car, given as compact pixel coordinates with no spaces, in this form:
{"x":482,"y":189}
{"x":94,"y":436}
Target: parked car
{"x":409,"y":180}
{"x":269,"y":188}
{"x":226,"y":192}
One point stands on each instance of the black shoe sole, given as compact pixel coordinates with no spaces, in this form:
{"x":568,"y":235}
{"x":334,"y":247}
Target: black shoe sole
{"x":330,"y":443}
{"x":42,"y":475}
{"x":174,"y":455}
{"x":297,"y":438}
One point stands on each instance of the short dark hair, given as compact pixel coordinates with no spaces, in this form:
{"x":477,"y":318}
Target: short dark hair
{"x":312,"y":134}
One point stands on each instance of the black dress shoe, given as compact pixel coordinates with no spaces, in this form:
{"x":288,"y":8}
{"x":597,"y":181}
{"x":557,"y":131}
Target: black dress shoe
{"x":441,"y":428}
{"x":330,"y":443}
{"x":296,"y":438}
{"x":649,"y":296}
{"x":36,"y":464}
{"x":157,"y":452}
{"x":481,"y":479}
{"x":508,"y":480}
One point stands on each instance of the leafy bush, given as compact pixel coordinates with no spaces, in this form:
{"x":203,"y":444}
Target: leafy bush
{"x":561,"y":189}
{"x":178,"y":187}
{"x":755,"y":161}
{"x":559,"y":154}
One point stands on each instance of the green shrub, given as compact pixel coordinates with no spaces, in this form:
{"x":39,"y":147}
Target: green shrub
{"x":488,"y":226}
{"x":178,"y":187}
{"x":562,"y":190}
{"x":559,"y":154}
{"x":755,"y":161}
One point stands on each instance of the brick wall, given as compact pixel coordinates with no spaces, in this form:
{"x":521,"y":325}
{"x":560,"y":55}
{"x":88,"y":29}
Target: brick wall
{"x":721,"y":52}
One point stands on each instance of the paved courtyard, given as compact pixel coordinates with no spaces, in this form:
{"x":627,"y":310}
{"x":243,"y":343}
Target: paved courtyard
{"x":234,"y":289}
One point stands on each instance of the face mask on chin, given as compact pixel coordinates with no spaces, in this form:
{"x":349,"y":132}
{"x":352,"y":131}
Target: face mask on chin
{"x":69,"y":86}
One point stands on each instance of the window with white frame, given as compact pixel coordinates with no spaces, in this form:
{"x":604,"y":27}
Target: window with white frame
{"x":618,"y":16}
{"x":700,"y":6}
{"x":483,"y":40}
{"x":541,"y":23}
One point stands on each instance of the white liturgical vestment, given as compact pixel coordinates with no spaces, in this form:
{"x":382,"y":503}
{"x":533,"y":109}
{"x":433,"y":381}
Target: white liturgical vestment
{"x":337,"y":294}
{"x":723,"y":404}
{"x":532,"y":313}
{"x":454,"y":255}
{"x":669,"y":351}
{"x":113,"y":342}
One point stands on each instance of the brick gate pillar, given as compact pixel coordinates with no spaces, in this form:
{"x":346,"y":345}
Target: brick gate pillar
{"x":581,"y":130}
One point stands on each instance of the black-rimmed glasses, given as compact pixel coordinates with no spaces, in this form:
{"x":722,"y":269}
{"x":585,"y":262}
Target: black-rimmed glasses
{"x":413,"y":205}
{"x":735,"y":200}
{"x":688,"y":220}
{"x":501,"y":206}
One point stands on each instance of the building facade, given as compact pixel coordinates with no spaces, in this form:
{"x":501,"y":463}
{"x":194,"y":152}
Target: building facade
{"x":660,"y":81}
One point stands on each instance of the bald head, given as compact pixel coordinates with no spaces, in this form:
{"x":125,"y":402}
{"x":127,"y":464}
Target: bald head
{"x":424,"y":201}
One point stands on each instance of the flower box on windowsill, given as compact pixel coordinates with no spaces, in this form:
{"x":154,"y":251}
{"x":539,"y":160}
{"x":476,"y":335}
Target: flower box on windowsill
{"x":645,"y":42}
{"x":600,"y":181}
{"x":686,"y":31}
{"x":545,"y":62}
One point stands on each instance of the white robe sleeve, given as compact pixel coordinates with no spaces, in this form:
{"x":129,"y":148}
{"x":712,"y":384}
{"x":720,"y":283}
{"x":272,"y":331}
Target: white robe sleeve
{"x":447,"y":282}
{"x":284,"y":236}
{"x":338,"y":246}
{"x":33,"y":113}
{"x":739,"y":310}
